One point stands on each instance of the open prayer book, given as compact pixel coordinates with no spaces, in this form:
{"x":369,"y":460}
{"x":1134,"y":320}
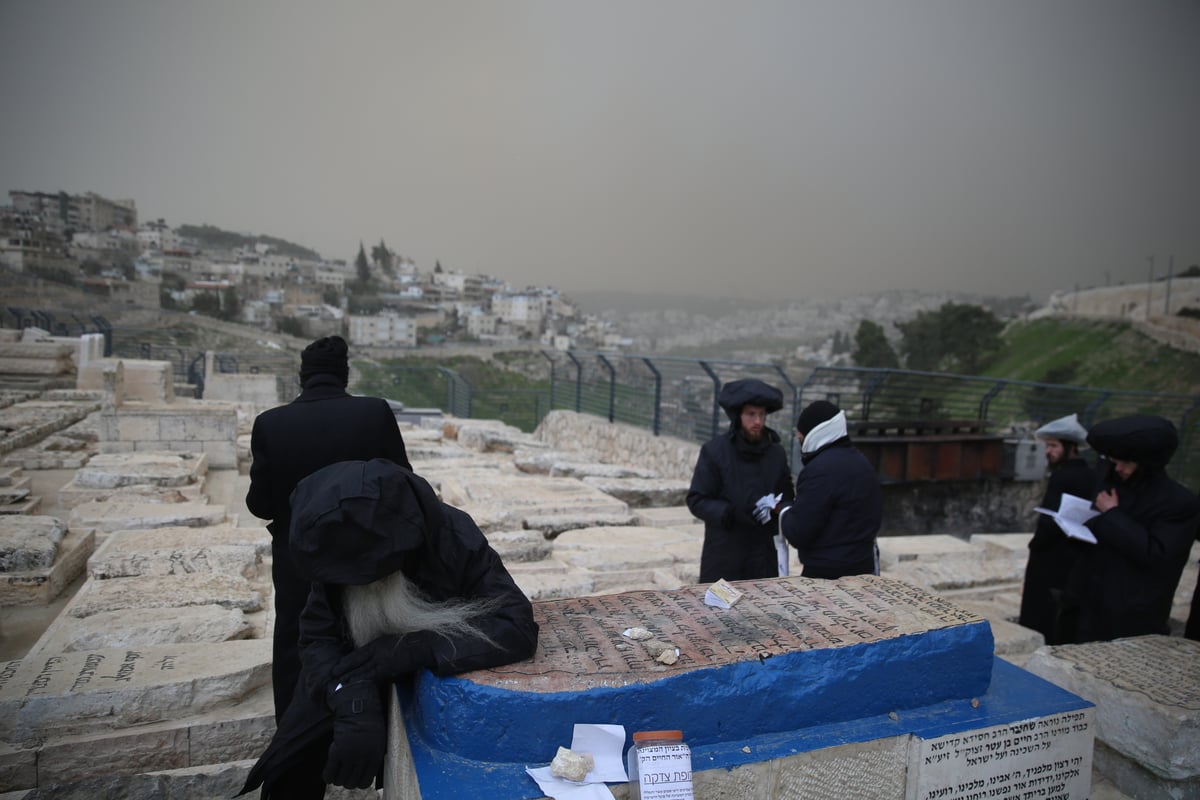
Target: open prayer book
{"x":1072,"y":513}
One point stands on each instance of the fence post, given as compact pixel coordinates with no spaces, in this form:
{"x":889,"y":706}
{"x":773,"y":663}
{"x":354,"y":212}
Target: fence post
{"x":987,"y":399}
{"x":578,"y":381}
{"x":549,"y":358}
{"x":657,"y":394}
{"x":612,"y":386}
{"x":716,"y":407}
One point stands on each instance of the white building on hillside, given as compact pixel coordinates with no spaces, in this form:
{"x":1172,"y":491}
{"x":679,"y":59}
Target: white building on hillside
{"x":386,"y":329}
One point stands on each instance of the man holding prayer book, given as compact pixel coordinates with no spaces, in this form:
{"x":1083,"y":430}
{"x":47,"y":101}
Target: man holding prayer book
{"x":1052,"y":553}
{"x":1126,"y":582}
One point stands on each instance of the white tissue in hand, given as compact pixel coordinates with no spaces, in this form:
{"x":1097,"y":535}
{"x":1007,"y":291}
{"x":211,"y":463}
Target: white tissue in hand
{"x":571,"y":766}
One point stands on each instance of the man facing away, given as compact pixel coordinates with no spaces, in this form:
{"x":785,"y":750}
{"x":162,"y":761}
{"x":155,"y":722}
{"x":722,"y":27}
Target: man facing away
{"x":322,"y":426}
{"x":1052,"y":553}
{"x":737,"y":478}
{"x":838,"y":509}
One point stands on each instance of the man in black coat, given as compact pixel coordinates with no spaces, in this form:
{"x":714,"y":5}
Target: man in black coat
{"x":1052,"y":553}
{"x":1144,"y":532}
{"x":400,"y":582}
{"x":838,"y":509}
{"x":322,"y":426}
{"x":735,"y":483}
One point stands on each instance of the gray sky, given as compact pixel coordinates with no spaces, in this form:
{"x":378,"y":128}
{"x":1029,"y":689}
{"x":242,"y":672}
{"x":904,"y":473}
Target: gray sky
{"x":754,"y":149}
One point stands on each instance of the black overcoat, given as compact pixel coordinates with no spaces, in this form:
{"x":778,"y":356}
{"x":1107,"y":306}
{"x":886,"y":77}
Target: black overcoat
{"x":837,"y":513}
{"x":1052,"y":554}
{"x":731,"y":474}
{"x":1126,"y":583}
{"x":322,"y":426}
{"x":452,"y":560}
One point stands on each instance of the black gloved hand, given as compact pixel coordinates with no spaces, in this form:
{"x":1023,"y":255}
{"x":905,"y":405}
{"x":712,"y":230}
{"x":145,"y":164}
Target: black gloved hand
{"x":387,"y":657}
{"x":359,"y":734}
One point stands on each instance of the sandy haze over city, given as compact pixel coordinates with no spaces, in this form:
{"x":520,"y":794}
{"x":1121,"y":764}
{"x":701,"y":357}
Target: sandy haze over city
{"x":760,"y":150}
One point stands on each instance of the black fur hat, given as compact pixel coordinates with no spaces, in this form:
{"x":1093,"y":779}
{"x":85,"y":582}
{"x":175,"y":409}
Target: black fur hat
{"x":1146,"y":439}
{"x":751,"y":391}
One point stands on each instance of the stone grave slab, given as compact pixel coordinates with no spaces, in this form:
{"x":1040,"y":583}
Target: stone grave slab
{"x":112,"y":470}
{"x":227,"y":733}
{"x":520,"y":546}
{"x":677,"y":516}
{"x":560,"y":463}
{"x":1147,"y":695}
{"x":642,"y":492}
{"x":492,"y":436}
{"x":138,"y":477}
{"x":142,"y":627}
{"x":23,"y":424}
{"x":29,"y":543}
{"x":932,"y":548}
{"x":553,"y":525}
{"x":794,"y":631}
{"x":118,"y":515}
{"x":519,"y":496}
{"x":42,"y":584}
{"x":220,"y":549}
{"x":625,"y":548}
{"x":769,"y":693}
{"x":74,"y":693}
{"x":166,"y":591}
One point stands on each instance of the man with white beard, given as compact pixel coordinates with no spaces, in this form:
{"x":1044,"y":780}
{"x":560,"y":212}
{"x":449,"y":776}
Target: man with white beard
{"x":400,"y":582}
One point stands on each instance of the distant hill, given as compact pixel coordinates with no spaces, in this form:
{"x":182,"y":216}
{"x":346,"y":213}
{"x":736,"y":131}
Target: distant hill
{"x":598,"y":302}
{"x":211,"y":237}
{"x":1100,"y":353}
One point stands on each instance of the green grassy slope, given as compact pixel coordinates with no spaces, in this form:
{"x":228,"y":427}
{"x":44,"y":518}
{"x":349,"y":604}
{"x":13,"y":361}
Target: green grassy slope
{"x":1110,"y":355}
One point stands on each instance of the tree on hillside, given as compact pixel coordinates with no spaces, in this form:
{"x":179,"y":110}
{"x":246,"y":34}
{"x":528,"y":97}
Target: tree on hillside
{"x":361,"y":267}
{"x":384,"y":258}
{"x":954,"y":338}
{"x":871,"y":347}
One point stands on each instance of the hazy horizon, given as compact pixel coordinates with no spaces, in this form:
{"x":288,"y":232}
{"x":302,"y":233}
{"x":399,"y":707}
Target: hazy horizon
{"x":768,"y":150}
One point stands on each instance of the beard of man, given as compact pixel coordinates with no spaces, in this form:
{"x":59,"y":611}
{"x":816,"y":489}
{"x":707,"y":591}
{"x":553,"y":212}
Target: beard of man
{"x":395,"y":606}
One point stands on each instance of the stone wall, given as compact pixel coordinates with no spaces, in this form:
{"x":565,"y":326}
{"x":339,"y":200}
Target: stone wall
{"x":618,"y":443}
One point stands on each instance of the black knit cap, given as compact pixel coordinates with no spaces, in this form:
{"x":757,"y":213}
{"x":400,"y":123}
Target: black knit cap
{"x":326,"y":356}
{"x":814,"y":414}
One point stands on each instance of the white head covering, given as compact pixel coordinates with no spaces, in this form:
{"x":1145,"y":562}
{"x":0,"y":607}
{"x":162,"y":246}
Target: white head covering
{"x":828,"y":431}
{"x":1065,"y":429}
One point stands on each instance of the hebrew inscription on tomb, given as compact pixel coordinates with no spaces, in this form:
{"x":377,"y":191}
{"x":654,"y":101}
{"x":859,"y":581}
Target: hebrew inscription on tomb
{"x":581,"y":642}
{"x":1034,"y":759}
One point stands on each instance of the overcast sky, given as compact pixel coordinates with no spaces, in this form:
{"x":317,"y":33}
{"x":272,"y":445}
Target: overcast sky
{"x":752,"y":149}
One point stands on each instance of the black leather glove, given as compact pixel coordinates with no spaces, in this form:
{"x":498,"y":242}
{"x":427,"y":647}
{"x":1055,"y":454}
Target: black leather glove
{"x":359,"y":734}
{"x":387,"y":657}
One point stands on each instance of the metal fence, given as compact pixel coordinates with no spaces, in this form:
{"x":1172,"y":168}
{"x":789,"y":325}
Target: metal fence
{"x":57,"y":323}
{"x":679,"y":397}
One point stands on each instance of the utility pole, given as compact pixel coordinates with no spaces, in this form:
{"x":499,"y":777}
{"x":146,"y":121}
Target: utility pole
{"x":1149,"y":287}
{"x":1170,"y":272}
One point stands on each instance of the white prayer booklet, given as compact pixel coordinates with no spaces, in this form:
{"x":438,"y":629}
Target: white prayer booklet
{"x":1072,"y":513}
{"x":722,"y":594}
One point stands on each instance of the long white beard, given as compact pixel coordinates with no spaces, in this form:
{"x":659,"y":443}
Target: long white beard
{"x":394,"y":605}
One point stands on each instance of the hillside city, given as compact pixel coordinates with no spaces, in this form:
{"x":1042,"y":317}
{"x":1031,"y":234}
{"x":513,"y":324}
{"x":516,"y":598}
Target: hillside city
{"x":276,"y":286}
{"x":382,"y":298}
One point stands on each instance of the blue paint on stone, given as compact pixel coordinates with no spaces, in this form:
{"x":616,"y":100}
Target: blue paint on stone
{"x":789,"y":691}
{"x":1013,"y":695}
